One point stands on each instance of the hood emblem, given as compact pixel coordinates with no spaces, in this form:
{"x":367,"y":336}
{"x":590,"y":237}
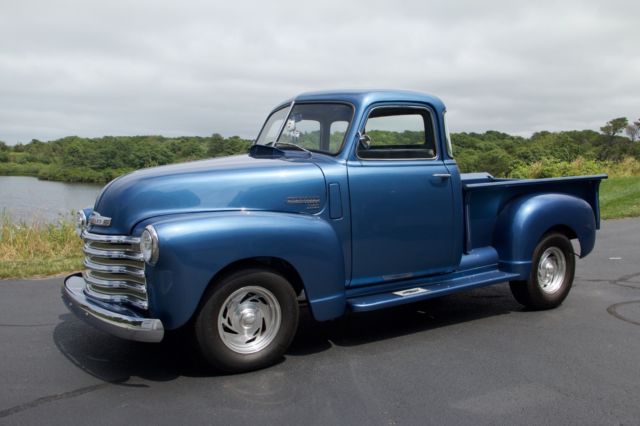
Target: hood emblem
{"x":99,"y":220}
{"x":311,"y":202}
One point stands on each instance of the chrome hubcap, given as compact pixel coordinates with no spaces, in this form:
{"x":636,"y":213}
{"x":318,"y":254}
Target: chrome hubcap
{"x":249,"y":320}
{"x":551,"y":270}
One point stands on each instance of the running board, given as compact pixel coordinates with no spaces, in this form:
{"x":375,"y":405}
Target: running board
{"x":422,"y":292}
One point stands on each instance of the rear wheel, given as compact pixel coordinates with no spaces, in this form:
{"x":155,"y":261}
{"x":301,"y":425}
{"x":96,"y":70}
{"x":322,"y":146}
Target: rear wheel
{"x":247,"y":321}
{"x":551,"y":275}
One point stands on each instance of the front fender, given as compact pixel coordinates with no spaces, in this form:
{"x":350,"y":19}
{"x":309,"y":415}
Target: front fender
{"x":523,"y":222}
{"x":194,"y":248}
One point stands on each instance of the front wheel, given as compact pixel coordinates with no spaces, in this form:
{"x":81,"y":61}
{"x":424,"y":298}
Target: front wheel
{"x":551,"y":275}
{"x":247,"y":321}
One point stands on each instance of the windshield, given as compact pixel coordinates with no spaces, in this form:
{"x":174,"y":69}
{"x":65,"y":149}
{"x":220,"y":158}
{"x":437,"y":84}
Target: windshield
{"x":317,"y":127}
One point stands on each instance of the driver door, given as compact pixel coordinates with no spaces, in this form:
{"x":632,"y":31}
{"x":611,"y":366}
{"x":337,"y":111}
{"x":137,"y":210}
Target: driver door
{"x":401,"y":199}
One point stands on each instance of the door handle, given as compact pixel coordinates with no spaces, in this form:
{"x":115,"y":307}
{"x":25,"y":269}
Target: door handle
{"x":442,"y":175}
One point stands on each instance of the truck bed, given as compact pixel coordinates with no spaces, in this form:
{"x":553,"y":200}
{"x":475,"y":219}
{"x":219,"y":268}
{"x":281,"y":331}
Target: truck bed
{"x":484,"y":197}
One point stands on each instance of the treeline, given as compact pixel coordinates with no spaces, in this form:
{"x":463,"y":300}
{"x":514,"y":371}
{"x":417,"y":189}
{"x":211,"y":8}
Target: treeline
{"x":547,"y":154}
{"x":544,"y":154}
{"x":75,"y":159}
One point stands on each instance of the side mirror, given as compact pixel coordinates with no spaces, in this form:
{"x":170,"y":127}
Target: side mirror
{"x":364,"y":141}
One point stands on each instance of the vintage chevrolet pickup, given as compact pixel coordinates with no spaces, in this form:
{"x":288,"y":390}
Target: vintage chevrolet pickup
{"x":351,"y":201}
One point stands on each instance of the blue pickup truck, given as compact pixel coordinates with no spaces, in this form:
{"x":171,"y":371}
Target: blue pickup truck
{"x":351,"y":201}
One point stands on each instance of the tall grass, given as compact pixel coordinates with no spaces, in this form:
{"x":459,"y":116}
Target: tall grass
{"x":578,"y":167}
{"x":38,"y":248}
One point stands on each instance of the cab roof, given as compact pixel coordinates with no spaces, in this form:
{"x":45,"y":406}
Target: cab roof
{"x":362,"y":98}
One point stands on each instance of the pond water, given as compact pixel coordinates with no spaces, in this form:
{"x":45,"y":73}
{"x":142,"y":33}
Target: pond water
{"x":29,"y":199}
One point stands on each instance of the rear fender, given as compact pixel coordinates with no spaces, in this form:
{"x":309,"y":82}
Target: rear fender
{"x":194,"y":248}
{"x":525,"y":220}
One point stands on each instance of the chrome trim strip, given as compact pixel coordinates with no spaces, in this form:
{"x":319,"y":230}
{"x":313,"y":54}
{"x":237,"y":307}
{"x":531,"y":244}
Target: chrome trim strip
{"x":114,"y":269}
{"x":155,"y":241}
{"x":114,"y":284}
{"x":131,"y":327}
{"x":112,"y":254}
{"x":115,"y":239}
{"x":115,"y":298}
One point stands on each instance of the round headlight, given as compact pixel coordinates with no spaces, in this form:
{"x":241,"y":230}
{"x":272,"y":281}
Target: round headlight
{"x":149,"y":245}
{"x":81,"y":222}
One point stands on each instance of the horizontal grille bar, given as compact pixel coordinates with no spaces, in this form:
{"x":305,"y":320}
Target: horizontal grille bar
{"x":113,"y":254}
{"x":114,"y":239}
{"x":116,"y":298}
{"x":113,"y":269}
{"x":113,"y":284}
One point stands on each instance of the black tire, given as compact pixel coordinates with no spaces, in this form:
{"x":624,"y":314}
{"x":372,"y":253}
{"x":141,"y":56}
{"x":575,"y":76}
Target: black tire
{"x":554,"y":257}
{"x":238,"y":308}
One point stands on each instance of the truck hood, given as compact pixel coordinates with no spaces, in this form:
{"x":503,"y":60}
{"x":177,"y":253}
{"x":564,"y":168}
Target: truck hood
{"x":230,"y":183}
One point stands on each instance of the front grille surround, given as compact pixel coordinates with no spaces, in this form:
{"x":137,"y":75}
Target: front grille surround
{"x":114,"y":270}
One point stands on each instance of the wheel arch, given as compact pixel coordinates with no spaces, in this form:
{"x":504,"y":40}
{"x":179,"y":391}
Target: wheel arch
{"x":523,"y":222}
{"x":271,"y":263}
{"x":196,"y":251}
{"x":567,"y":232}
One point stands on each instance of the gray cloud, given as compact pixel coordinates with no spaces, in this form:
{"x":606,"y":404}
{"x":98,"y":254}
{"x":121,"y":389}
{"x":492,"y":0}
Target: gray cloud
{"x":196,"y":67}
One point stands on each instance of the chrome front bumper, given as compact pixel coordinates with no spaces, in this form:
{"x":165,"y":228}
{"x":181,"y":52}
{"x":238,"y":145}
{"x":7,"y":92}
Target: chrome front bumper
{"x":126,"y":324}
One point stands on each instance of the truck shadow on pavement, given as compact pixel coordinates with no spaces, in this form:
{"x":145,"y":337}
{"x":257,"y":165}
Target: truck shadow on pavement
{"x":116,"y":361}
{"x":364,"y":328}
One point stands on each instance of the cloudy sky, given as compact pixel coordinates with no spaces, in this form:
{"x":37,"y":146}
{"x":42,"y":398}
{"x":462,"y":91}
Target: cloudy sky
{"x":127,"y":67}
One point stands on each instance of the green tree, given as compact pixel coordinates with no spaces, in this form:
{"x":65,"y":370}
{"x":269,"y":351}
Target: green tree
{"x":614,"y":126}
{"x":497,"y":162}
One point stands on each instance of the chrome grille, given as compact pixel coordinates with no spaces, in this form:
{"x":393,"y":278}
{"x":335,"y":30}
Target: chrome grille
{"x":115,"y":269}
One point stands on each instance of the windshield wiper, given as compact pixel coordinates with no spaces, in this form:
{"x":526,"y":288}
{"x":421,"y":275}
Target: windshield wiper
{"x":301,"y":148}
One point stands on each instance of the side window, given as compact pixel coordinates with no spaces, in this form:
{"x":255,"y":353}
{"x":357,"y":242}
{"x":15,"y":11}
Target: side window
{"x":398,"y":133}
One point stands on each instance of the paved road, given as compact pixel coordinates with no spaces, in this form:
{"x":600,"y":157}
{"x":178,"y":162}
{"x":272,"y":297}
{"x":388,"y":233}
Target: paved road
{"x":474,"y":358}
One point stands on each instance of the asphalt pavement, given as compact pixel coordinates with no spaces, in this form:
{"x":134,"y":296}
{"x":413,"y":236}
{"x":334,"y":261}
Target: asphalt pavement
{"x":473,"y":358}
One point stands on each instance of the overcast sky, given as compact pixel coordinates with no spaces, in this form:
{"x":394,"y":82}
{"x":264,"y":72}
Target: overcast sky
{"x":116,"y":67}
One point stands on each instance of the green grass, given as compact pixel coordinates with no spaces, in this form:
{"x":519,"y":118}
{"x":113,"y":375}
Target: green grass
{"x":38,"y":249}
{"x":620,"y":197}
